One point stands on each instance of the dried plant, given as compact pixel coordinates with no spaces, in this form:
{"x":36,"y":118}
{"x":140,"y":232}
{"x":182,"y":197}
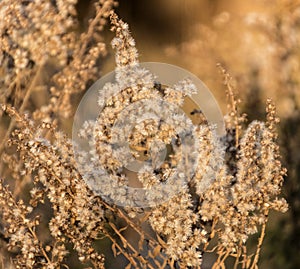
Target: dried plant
{"x":227,"y":199}
{"x":260,"y":46}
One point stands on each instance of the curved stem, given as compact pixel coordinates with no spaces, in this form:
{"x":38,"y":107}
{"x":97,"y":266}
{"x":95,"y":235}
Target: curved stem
{"x":259,"y":245}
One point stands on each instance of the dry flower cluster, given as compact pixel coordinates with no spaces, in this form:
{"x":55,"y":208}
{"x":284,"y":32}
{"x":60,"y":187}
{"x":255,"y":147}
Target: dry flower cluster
{"x":236,"y":183}
{"x":260,"y":45}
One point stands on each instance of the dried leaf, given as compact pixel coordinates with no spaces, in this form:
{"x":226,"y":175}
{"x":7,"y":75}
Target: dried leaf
{"x":162,"y":242}
{"x":156,"y":250}
{"x":113,"y":248}
{"x":123,"y":229}
{"x":145,"y":217}
{"x":128,"y":266}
